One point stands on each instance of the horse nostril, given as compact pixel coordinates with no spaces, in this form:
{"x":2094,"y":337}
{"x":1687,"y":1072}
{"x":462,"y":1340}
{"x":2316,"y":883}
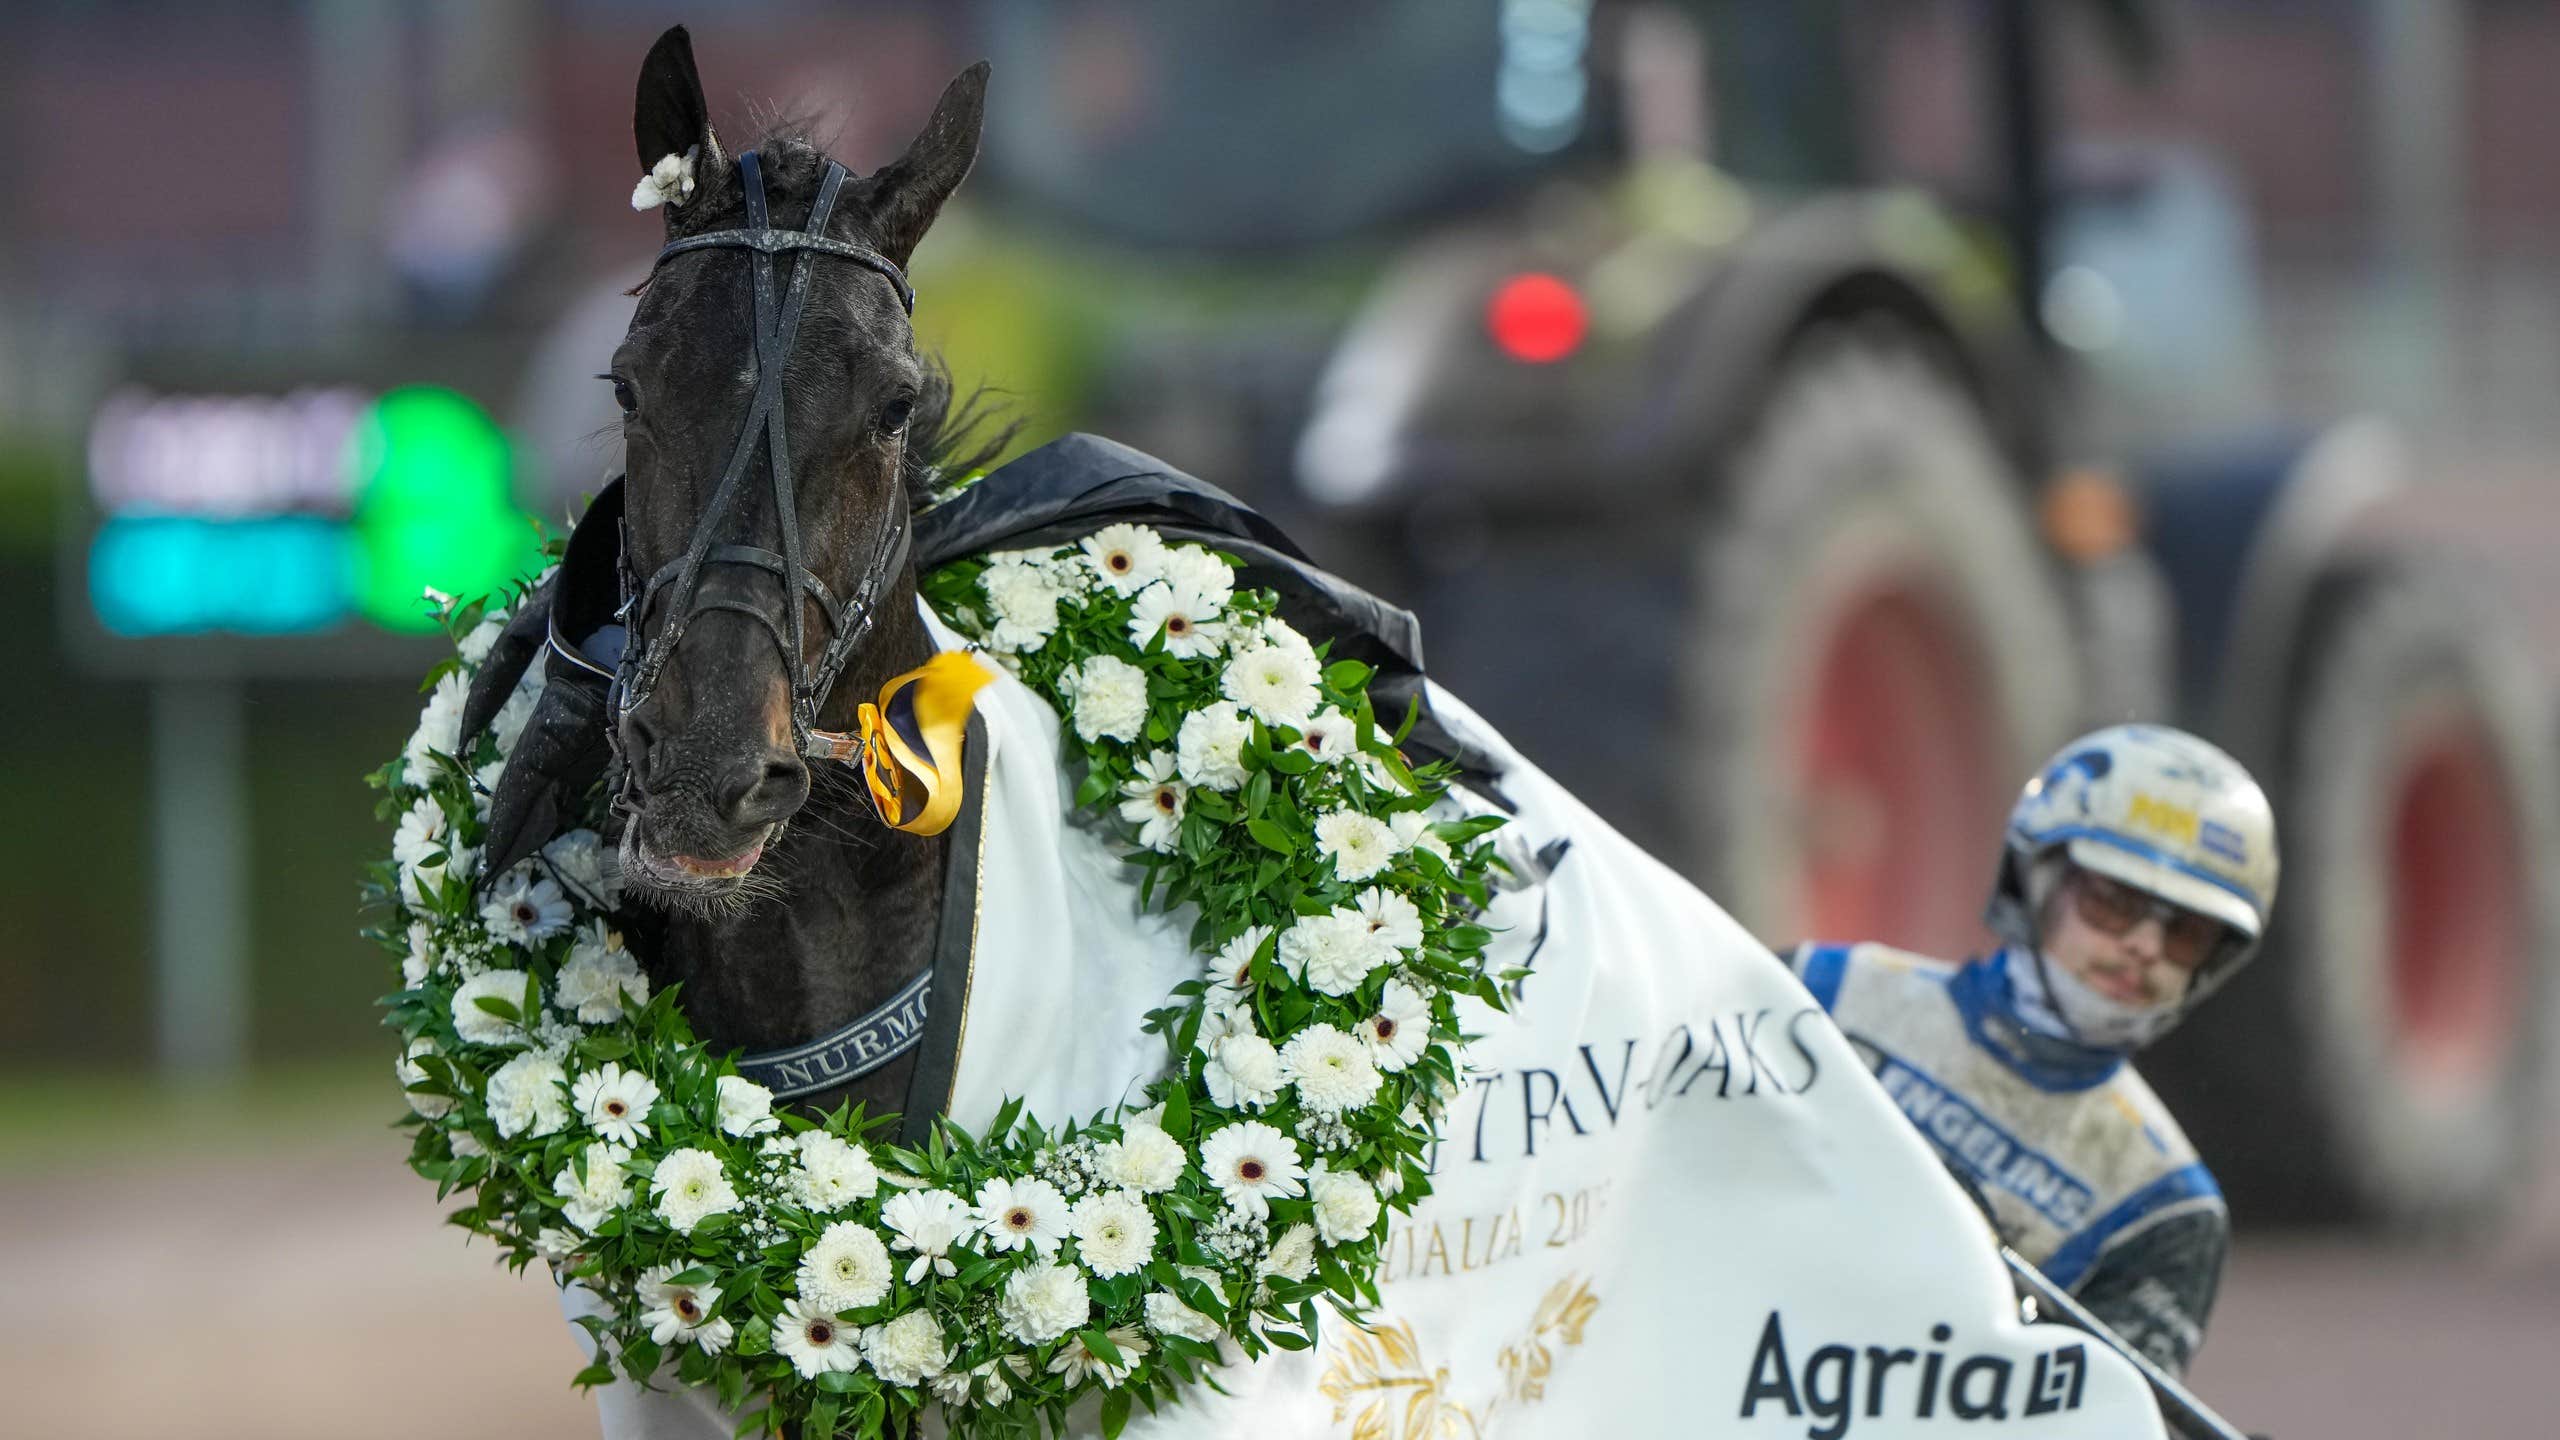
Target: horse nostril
{"x":761,"y":792}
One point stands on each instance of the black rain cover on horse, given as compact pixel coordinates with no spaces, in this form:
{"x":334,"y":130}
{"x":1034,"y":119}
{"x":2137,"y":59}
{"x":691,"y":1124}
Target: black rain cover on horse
{"x":1057,"y":494}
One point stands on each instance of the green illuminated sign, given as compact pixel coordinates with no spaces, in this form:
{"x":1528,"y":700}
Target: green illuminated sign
{"x":433,"y":507}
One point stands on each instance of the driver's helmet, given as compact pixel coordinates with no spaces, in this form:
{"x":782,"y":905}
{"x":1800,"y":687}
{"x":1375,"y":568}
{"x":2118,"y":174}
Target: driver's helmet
{"x":2156,"y":809}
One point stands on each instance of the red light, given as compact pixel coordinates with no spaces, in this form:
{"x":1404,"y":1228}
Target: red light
{"x":1537,"y":318}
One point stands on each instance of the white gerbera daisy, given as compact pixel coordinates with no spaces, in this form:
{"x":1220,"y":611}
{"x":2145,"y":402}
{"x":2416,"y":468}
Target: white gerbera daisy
{"x":1220,"y":1018}
{"x":1360,"y":845}
{"x":1185,"y":617}
{"x":1252,"y":1165}
{"x":1397,"y":1034}
{"x":746,"y":1108}
{"x":1329,"y":735}
{"x":1125,"y":557}
{"x":1155,"y":802}
{"x":527,"y":1096}
{"x":683,"y":1312}
{"x":847,"y":1269}
{"x":1195,"y":568}
{"x":1209,"y":748}
{"x":1114,"y":1232}
{"x":833,"y":1172}
{"x":690,"y":1187}
{"x":615,"y":1102}
{"x":421,"y":832}
{"x":928,"y":1222}
{"x":599,"y":976}
{"x":1274,"y":685}
{"x":814,"y":1341}
{"x":1144,"y":1159}
{"x":589,"y":1200}
{"x":412,"y":1073}
{"x":1333,"y":953}
{"x":555,"y":1244}
{"x":1015,"y":1213}
{"x":1331,"y":1069}
{"x":484,"y":1027}
{"x":525,"y":908}
{"x":1243,"y":1073}
{"x":1110,"y":698}
{"x":1042,"y":1302}
{"x":1075,"y":1362}
{"x":1293,"y":1255}
{"x":439,"y":731}
{"x":1391,"y":917}
{"x":1346,"y":1206}
{"x":908,"y":1350}
{"x":1412,"y":828}
{"x":1231,"y":973}
{"x":420,"y":962}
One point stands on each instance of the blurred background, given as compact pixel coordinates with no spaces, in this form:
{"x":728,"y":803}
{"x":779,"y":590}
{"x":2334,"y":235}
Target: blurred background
{"x":1840,"y":401}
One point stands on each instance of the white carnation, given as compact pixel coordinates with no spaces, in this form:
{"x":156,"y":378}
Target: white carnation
{"x":1333,"y":953}
{"x":1412,"y":829}
{"x":439,"y":731}
{"x":1022,"y":599}
{"x":1114,"y":1232}
{"x":598,"y":976}
{"x":412,"y":1073}
{"x":1167,"y":1315}
{"x":527,"y":1096}
{"x":1360,"y":845}
{"x":1331,"y":1069}
{"x":746,"y":1108}
{"x":1244,"y":1073}
{"x":1209,"y":748}
{"x":1293,"y":1255}
{"x":1277,"y":686}
{"x":1194,"y":568}
{"x":1144,"y":1159}
{"x":1110,"y":698}
{"x":1345,"y":1205}
{"x":474,"y":648}
{"x":479,"y":1026}
{"x":579,"y":859}
{"x":1125,"y":557}
{"x":833,"y":1172}
{"x":590,"y":1202}
{"x":847,"y":1269}
{"x":691,"y":1187}
{"x":908,"y":1350}
{"x":1042,"y":1302}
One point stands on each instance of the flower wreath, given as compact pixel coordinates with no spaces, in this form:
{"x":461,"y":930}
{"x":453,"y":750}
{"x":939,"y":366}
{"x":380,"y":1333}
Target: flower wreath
{"x":1002,"y":1275}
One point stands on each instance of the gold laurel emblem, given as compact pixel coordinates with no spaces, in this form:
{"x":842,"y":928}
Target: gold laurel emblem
{"x":1381,"y":1384}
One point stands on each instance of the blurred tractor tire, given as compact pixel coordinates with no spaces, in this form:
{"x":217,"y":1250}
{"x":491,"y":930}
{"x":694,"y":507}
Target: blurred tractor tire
{"x":1879,"y":652}
{"x":2387,"y":1059}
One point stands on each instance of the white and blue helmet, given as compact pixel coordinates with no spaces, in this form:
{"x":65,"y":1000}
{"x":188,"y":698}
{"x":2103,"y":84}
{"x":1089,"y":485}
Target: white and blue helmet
{"x":2156,"y":809}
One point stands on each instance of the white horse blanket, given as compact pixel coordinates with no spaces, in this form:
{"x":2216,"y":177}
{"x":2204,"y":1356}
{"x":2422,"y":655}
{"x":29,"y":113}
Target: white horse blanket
{"x":1670,"y":1202}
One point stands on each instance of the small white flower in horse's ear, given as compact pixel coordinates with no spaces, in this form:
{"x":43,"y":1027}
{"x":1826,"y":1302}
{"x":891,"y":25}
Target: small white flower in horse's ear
{"x":669,"y":182}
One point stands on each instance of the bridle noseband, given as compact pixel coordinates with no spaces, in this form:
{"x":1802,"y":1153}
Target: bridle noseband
{"x":776,"y":326}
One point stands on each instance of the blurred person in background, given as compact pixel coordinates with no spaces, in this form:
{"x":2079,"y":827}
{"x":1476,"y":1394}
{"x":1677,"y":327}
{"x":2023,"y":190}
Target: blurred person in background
{"x":2135,"y":880}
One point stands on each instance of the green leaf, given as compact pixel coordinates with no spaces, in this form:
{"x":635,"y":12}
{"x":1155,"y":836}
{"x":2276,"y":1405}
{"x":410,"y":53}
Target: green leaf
{"x":640,"y":1359}
{"x":1101,"y":1346}
{"x":821,"y":1424}
{"x":1271,"y":836}
{"x":840,"y":1382}
{"x":1286,"y":1340}
{"x":1346,"y":674}
{"x":1177,"y":1100}
{"x":593,"y":1376}
{"x":698,"y":1275}
{"x":500,"y":1008}
{"x":1097,"y":784}
{"x":1115,"y":1413}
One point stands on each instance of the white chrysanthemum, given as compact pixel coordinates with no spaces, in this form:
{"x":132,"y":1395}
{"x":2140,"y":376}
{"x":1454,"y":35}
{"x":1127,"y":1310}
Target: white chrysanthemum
{"x":683,"y":1312}
{"x":1275,"y":686}
{"x":580,"y":860}
{"x":1252,"y":1165}
{"x":1110,"y":697}
{"x":746,"y":1108}
{"x":1243,"y":1073}
{"x":590,"y":1202}
{"x":815,"y":1341}
{"x":1042,"y":1302}
{"x":1075,"y":1362}
{"x":615,"y":1102}
{"x":1194,"y":568}
{"x":420,"y":962}
{"x":1187,"y":618}
{"x":1167,"y":1315}
{"x":526,"y":1097}
{"x":1144,"y":1159}
{"x":908,"y":1350}
{"x":928,"y":1222}
{"x":474,"y":648}
{"x":1022,"y":599}
{"x":1391,"y":917}
{"x":690,"y":1187}
{"x":1412,"y":828}
{"x":1333,"y":953}
{"x":1155,"y":802}
{"x":1329,"y":735}
{"x":1209,"y":748}
{"x":1360,"y":845}
{"x":1346,"y":1205}
{"x":439,"y":731}
{"x":420,"y":833}
{"x":846,"y":1269}
{"x":1015,"y":1213}
{"x":412,"y":1073}
{"x":525,"y":908}
{"x":1114,"y":1232}
{"x":1397,"y":1034}
{"x":1330,"y":1068}
{"x":833,"y":1173}
{"x":479,"y":1026}
{"x":1293,"y":1255}
{"x":599,"y":975}
{"x":1125,"y":557}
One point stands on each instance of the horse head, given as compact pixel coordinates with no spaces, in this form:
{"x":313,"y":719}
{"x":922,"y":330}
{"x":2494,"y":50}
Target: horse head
{"x":772,"y":399}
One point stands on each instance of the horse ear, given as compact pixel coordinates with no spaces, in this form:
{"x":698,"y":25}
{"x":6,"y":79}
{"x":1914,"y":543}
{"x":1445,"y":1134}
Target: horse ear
{"x":908,"y":193}
{"x":668,"y":116}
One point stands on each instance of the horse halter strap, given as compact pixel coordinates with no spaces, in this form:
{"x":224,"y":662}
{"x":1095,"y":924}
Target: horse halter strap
{"x":776,"y":327}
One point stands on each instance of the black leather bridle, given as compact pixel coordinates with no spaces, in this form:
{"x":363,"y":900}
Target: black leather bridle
{"x":777,"y":324}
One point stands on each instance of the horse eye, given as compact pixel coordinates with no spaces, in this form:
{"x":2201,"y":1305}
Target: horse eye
{"x":894,"y":415}
{"x":624,"y":395}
